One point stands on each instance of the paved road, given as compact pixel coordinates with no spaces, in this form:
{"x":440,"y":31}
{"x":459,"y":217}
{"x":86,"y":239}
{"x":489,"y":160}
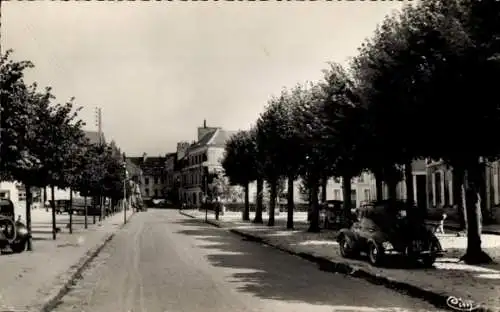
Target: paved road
{"x":162,"y":261}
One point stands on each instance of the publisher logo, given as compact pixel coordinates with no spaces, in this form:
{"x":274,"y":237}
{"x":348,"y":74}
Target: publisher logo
{"x":460,"y":304}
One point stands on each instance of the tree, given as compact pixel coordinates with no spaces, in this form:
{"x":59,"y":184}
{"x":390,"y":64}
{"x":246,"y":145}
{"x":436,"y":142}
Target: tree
{"x":239,"y":164}
{"x":272,"y":139}
{"x":291,"y":159}
{"x":19,"y":125}
{"x":345,"y":127}
{"x":15,"y":113}
{"x":313,"y":139}
{"x":385,"y":88}
{"x":443,"y":56}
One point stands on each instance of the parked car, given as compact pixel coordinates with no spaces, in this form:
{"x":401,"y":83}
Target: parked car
{"x":388,"y":228}
{"x":13,"y":233}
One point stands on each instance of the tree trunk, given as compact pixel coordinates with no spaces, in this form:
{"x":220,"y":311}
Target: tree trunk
{"x":45,"y":198}
{"x":314,"y":222}
{"x":474,"y":253}
{"x":379,"y":187}
{"x":70,"y":211}
{"x":392,"y":185}
{"x":324,"y":183}
{"x":101,"y":215}
{"x":94,"y":198}
{"x":410,"y":188}
{"x":53,"y":204}
{"x":272,"y":202}
{"x":347,"y":190}
{"x":457,"y":183}
{"x":246,"y":212}
{"x":85,"y":211}
{"x":290,"y":204}
{"x":28,"y":215}
{"x":258,"y":206}
{"x":310,"y":199}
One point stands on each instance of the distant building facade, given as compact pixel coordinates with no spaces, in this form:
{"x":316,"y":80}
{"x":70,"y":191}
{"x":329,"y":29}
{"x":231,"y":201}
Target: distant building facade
{"x":152,"y":183}
{"x":206,"y":153}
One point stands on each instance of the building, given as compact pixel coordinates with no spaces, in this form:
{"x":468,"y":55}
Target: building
{"x":9,"y":190}
{"x":152,"y":183}
{"x":444,"y":193}
{"x":204,"y":154}
{"x":362,"y":189}
{"x":170,"y":168}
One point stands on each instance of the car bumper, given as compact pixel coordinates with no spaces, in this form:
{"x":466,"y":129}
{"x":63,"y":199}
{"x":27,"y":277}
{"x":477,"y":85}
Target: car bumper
{"x":421,"y":253}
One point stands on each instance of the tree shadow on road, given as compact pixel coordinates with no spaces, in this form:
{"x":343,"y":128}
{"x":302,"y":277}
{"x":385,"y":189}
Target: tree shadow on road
{"x":270,"y":274}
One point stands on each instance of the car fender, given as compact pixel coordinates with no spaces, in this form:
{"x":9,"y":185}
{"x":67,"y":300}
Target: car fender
{"x":20,"y":226}
{"x":348,"y":233}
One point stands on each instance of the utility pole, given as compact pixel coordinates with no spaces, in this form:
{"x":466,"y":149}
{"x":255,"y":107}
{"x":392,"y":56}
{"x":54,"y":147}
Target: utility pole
{"x":1,"y":55}
{"x":98,"y":123}
{"x":98,"y":117}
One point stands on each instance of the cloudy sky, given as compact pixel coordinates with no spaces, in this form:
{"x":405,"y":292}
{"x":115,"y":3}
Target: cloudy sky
{"x":158,"y":69}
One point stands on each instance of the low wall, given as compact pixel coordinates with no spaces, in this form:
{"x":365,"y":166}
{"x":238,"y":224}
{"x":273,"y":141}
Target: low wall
{"x":237,"y":207}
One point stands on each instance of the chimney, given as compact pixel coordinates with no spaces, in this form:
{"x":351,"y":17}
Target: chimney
{"x":204,"y":123}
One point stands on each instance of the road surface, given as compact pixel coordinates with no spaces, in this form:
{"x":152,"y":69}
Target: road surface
{"x":162,"y":261}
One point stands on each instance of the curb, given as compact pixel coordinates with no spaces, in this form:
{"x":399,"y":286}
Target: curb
{"x":75,"y":272}
{"x":437,"y":299}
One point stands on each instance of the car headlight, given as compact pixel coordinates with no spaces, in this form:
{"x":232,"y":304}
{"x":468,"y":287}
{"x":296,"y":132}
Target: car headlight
{"x":22,"y":231}
{"x":387,"y":246}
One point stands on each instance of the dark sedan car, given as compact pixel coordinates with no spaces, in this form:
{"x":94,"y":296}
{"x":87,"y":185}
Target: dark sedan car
{"x":389,"y":228}
{"x":13,"y":233}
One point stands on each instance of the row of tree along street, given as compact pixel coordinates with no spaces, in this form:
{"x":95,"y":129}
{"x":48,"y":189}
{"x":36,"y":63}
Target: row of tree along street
{"x":423,"y":86}
{"x":43,"y":144}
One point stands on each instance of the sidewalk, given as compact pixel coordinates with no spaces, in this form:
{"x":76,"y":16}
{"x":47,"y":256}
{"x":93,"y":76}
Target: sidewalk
{"x":31,"y":281}
{"x":449,"y":278}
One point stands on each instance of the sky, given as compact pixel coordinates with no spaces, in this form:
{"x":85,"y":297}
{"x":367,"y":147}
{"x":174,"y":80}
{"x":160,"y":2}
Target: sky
{"x":158,"y":69}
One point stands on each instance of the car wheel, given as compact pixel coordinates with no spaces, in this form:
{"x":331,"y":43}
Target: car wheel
{"x":428,"y":260}
{"x":19,"y":247}
{"x":375,"y":254}
{"x":346,"y":247}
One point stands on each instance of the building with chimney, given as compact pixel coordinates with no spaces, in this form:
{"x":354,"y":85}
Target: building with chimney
{"x":206,"y":153}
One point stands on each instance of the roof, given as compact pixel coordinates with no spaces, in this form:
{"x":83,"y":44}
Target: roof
{"x":171,"y":155}
{"x":132,"y":168}
{"x":221,"y":137}
{"x":149,"y":165}
{"x":93,"y":137}
{"x":216,"y":137}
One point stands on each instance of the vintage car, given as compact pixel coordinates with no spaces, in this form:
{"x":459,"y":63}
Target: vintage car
{"x":386,"y":228}
{"x":13,"y":233}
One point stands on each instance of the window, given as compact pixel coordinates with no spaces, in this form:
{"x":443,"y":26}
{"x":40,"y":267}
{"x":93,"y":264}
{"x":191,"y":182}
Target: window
{"x":156,"y":180}
{"x":147,"y":192}
{"x":336,"y":179}
{"x":367,"y":195}
{"x":156,"y":193}
{"x":146,"y":181}
{"x":336,"y":194}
